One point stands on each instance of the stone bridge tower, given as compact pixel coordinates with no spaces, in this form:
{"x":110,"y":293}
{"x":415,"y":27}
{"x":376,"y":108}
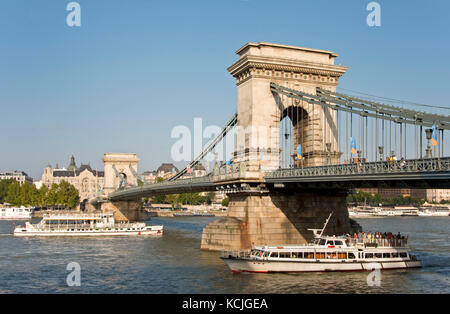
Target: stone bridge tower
{"x":118,"y":167}
{"x":121,"y":168}
{"x":260,"y":111}
{"x":262,"y":215}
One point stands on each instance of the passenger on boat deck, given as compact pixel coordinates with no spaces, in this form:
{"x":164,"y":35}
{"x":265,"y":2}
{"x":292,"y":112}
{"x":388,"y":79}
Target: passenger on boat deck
{"x":375,"y":235}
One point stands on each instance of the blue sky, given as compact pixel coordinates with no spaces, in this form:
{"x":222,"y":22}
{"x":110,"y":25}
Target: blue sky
{"x":135,"y":69}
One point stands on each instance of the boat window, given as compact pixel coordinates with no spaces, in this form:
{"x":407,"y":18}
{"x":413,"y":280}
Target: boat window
{"x":274,"y":254}
{"x":342,"y":255}
{"x":319,"y":255}
{"x":377,"y":255}
{"x":403,"y":254}
{"x":369,"y":255}
{"x":266,"y":254}
{"x":322,"y":242}
{"x":330,"y":242}
{"x":338,"y":242}
{"x":351,"y":255}
{"x":331,"y":255}
{"x":297,"y":255}
{"x":309,"y":255}
{"x":386,"y":255}
{"x":395,"y":254}
{"x":285,"y":254}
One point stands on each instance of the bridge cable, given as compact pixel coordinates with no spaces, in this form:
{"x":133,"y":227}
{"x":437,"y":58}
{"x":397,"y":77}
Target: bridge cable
{"x":208,"y":148}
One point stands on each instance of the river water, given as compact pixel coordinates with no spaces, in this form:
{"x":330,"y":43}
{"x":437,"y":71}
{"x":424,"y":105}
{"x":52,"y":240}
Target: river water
{"x":174,"y":263}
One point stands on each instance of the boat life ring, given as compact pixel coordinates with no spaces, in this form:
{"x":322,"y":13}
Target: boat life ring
{"x":139,"y":233}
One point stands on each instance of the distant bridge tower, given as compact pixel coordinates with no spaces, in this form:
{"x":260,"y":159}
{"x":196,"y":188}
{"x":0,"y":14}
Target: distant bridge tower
{"x":121,"y":170}
{"x":260,"y":111}
{"x":118,"y":169}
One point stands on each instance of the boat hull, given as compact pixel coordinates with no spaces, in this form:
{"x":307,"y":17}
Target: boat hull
{"x":257,"y":266}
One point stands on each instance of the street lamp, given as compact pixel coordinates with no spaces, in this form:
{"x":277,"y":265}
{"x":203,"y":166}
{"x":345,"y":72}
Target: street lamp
{"x":428,"y":151}
{"x":380,"y":151}
{"x":328,"y":146}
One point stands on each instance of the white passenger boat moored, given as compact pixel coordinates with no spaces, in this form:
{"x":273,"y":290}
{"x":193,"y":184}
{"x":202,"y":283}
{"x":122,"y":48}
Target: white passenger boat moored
{"x":86,"y":224}
{"x":326,"y":253}
{"x":15,"y":213}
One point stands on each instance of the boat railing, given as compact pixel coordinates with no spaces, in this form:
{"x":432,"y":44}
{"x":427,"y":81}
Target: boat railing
{"x":236,"y":254}
{"x":63,"y":215}
{"x":378,"y":242}
{"x":64,"y":226}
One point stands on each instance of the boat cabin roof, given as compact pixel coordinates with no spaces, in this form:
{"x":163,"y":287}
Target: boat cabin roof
{"x":77,"y":216}
{"x":323,"y":241}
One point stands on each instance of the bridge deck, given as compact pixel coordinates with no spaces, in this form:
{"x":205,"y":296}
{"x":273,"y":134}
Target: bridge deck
{"x":417,"y":173}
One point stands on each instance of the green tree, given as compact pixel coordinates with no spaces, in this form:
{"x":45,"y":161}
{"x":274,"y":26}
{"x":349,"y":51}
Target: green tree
{"x":52,"y":195}
{"x":172,"y":199}
{"x":4,"y":186}
{"x":14,"y":196}
{"x":226,"y":201}
{"x":26,"y":194}
{"x":42,"y":195}
{"x":67,"y":194}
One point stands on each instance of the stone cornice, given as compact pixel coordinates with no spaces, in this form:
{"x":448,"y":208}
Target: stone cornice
{"x":264,"y":44}
{"x":285,"y":65}
{"x":120,"y":160}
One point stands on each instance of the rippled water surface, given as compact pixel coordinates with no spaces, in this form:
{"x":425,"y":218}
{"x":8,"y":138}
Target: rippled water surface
{"x":175,"y":264}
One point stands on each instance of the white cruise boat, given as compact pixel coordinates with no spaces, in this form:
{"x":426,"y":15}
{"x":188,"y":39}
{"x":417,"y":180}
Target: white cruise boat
{"x":15,"y":213}
{"x":438,"y":212}
{"x":326,"y":253}
{"x":85,"y":224}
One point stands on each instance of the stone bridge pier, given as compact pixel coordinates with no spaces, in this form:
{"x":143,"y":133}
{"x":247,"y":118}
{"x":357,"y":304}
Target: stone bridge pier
{"x":277,"y":217}
{"x":263,"y":215}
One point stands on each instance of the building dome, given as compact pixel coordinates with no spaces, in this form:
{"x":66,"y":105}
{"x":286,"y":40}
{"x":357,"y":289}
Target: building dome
{"x":166,"y":167}
{"x":199,"y":167}
{"x":72,"y":166}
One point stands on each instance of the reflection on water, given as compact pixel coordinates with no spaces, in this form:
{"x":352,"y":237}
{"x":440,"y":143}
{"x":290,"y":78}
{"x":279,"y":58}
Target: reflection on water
{"x":175,"y":264}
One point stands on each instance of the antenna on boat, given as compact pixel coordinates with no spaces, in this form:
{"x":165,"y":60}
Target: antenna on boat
{"x":316,"y":231}
{"x":325,"y":225}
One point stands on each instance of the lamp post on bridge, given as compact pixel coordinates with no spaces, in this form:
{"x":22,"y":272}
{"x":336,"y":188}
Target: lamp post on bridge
{"x":380,"y":151}
{"x":428,"y":151}
{"x":328,"y":146}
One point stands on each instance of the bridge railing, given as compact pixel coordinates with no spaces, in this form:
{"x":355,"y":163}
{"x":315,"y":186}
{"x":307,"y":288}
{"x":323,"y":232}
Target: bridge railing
{"x":229,"y":172}
{"x":379,"y":167}
{"x":189,"y":180}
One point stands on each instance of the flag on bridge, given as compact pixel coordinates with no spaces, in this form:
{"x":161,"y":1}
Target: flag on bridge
{"x":434,"y":141}
{"x":299,"y":152}
{"x":353,"y":145}
{"x":228,"y":164}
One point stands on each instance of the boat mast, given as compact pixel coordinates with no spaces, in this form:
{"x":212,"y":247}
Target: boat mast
{"x":325,"y":225}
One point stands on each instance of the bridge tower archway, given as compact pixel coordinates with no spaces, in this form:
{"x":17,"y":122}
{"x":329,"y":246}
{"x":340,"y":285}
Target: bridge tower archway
{"x":259,"y":110}
{"x":119,"y":168}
